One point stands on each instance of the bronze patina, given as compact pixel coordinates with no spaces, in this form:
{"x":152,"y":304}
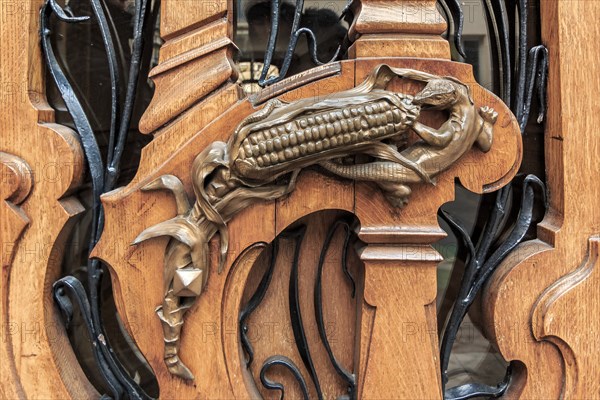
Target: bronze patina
{"x":269,"y":148}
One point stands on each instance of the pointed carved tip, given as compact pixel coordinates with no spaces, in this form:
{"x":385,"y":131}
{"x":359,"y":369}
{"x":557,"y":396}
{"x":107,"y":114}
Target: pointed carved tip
{"x":179,"y":369}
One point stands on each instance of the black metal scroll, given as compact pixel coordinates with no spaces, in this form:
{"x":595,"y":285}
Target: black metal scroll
{"x":520,"y":71}
{"x":481,"y":263}
{"x":451,"y":8}
{"x":103,"y":176}
{"x":255,"y":301}
{"x":288,"y":364}
{"x":297,"y":31}
{"x":347,"y":376}
{"x":455,"y":19}
{"x":296,"y":315}
{"x":296,"y":320}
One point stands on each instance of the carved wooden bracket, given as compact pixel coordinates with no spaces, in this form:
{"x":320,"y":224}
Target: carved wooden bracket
{"x":281,"y":140}
{"x":394,"y":237}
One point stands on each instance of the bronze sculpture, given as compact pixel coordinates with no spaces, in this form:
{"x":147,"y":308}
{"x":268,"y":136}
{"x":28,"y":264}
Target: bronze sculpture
{"x":270,"y":147}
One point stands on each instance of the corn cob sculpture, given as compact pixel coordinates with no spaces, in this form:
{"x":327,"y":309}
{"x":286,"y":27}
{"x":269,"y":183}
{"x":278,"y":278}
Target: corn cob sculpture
{"x":270,"y":147}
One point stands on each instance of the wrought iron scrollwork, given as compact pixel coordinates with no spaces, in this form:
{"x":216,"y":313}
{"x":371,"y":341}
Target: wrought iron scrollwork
{"x":451,"y":8}
{"x":289,"y":365}
{"x":296,"y":33}
{"x":297,"y":235}
{"x":255,"y":301}
{"x":295,"y":313}
{"x":347,"y":376}
{"x":520,"y":72}
{"x":69,"y":290}
{"x":455,"y":19}
{"x":496,"y":242}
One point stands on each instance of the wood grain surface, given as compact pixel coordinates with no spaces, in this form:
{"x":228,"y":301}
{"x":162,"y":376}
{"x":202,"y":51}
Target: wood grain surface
{"x":540,"y":310}
{"x":541,"y":307}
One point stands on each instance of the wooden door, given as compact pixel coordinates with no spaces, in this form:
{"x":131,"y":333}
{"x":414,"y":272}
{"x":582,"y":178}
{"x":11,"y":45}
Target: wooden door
{"x":267,"y":188}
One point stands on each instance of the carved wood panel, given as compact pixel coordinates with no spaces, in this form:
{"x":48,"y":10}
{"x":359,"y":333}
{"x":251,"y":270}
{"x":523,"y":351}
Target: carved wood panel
{"x":389,"y":339}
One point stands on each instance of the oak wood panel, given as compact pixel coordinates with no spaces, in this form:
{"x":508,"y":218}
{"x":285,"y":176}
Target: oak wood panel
{"x":194,"y":61}
{"x":385,"y":16}
{"x":37,"y":359}
{"x":180,"y":16}
{"x":16,"y":186}
{"x":401,"y":352}
{"x":566,"y":363}
{"x":181,"y":82}
{"x":406,"y":45}
{"x":554,"y":320}
{"x":270,"y":327}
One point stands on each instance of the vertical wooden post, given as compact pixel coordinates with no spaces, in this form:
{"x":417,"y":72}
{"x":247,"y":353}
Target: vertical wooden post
{"x":398,"y":349}
{"x":41,"y":164}
{"x":402,"y":355}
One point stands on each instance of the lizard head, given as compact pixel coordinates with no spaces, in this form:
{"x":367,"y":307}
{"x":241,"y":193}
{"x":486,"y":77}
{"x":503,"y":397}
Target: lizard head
{"x":439,"y":94}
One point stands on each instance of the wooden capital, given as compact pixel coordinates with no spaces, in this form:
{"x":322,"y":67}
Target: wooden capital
{"x":398,"y":28}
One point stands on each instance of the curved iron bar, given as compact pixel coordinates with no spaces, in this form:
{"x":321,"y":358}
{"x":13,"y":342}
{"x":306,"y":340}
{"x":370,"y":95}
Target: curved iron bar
{"x":295,"y":313}
{"x":255,"y":301}
{"x":137,"y":47}
{"x":498,"y":28}
{"x":115,"y":376}
{"x":68,"y":287}
{"x":113,"y":70}
{"x":82,"y":125}
{"x":536,"y":79}
{"x":530,"y":68}
{"x":482,"y":262}
{"x":452,"y":9}
{"x":297,"y":31}
{"x":455,"y":19}
{"x":288,"y":364}
{"x":477,"y":390}
{"x":347,"y":376}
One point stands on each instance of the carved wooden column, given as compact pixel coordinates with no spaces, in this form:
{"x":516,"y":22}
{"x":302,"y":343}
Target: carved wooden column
{"x":400,"y":265}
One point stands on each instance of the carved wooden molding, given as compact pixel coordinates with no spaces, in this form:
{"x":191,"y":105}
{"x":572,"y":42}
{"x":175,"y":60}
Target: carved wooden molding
{"x":16,"y":186}
{"x":41,"y":163}
{"x":398,"y":28}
